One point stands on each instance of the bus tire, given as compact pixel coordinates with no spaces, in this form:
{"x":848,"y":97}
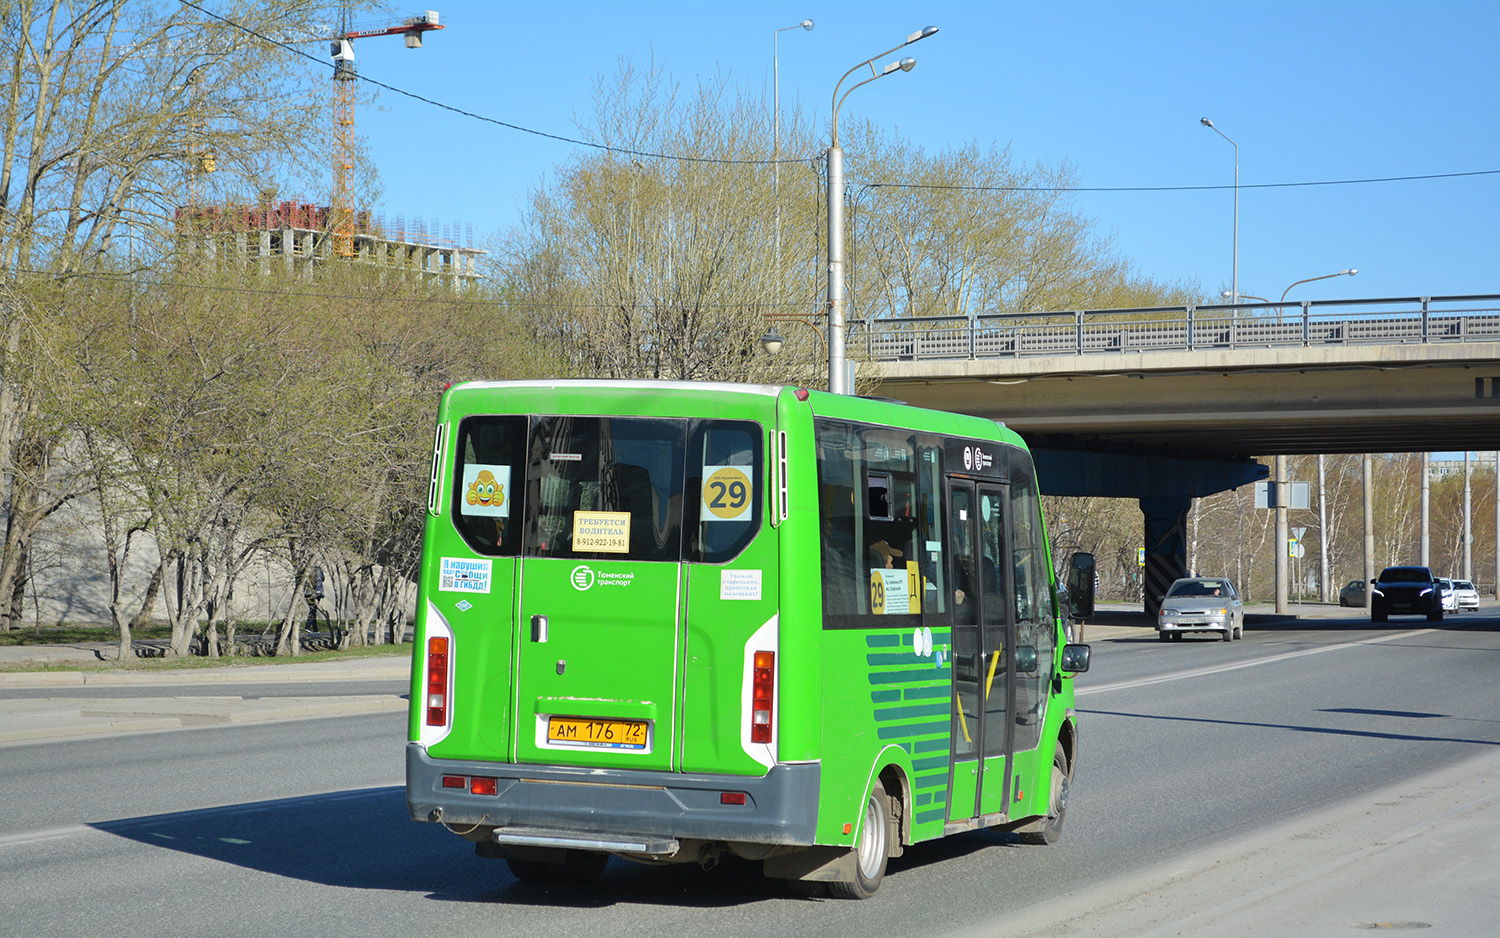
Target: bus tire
{"x":872,"y":851}
{"x":1050,"y":829}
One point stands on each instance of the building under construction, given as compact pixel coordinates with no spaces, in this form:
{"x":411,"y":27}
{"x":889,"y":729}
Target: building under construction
{"x":301,"y":236}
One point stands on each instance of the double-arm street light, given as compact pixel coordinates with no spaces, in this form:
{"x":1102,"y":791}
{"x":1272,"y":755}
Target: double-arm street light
{"x":1234,"y":270}
{"x":1346,"y":272}
{"x":838,"y":375}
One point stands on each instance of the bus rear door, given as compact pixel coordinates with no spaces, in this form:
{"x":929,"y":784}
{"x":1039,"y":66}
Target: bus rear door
{"x":600,"y":608}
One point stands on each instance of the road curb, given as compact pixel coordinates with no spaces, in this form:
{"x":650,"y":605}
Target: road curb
{"x":80,"y":718}
{"x":264,"y":674}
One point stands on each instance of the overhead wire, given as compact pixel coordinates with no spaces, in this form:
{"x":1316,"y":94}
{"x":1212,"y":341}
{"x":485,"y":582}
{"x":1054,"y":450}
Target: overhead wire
{"x":626,"y":151}
{"x":1258,"y":185}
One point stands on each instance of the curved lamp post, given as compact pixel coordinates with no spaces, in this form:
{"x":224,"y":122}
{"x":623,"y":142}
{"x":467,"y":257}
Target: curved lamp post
{"x":1234,"y":270}
{"x":838,"y":375}
{"x":1348,"y":271}
{"x":772,"y":341}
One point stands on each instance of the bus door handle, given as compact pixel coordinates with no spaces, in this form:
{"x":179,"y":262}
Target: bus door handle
{"x":539,"y":629}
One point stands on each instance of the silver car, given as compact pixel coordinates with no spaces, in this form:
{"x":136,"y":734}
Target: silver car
{"x":1201,"y":604}
{"x":1466,"y":596}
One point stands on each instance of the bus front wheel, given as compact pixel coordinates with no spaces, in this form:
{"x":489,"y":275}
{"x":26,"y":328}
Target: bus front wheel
{"x":872,"y":850}
{"x":1050,"y":830}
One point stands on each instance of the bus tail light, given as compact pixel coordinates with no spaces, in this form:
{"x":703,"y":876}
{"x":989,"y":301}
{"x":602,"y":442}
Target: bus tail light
{"x":763,"y":684}
{"x":437,"y":682}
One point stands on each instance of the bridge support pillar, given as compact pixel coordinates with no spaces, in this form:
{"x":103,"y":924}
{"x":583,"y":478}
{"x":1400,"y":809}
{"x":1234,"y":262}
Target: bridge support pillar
{"x":1166,"y":545}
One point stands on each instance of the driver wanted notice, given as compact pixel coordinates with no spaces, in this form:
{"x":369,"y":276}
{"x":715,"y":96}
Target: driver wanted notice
{"x":604,"y":531}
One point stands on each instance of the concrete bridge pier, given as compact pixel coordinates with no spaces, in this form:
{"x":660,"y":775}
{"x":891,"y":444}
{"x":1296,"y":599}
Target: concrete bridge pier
{"x":1166,"y":545}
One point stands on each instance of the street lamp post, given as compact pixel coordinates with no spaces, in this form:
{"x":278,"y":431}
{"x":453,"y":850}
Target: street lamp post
{"x":838,"y":376}
{"x":1346,"y":272}
{"x":776,"y":133}
{"x":1234,"y":270}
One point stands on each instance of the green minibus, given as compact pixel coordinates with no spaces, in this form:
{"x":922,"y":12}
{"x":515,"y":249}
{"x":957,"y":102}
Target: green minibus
{"x":670,"y":621}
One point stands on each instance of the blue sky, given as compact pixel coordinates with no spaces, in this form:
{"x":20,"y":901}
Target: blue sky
{"x":1310,"y":91}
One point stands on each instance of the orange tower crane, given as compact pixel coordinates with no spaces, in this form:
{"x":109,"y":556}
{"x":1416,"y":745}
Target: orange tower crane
{"x":341,"y":46}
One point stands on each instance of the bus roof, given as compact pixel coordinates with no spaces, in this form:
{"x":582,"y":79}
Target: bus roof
{"x":867,"y":409}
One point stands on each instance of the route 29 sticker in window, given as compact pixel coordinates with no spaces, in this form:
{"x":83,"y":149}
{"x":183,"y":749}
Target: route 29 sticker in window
{"x":486,"y":490}
{"x":726,"y":493}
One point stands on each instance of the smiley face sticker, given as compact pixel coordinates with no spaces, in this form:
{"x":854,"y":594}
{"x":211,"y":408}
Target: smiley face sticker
{"x":486,"y":491}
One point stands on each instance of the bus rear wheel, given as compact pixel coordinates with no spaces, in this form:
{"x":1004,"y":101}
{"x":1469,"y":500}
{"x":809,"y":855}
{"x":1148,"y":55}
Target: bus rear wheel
{"x":872,"y":850}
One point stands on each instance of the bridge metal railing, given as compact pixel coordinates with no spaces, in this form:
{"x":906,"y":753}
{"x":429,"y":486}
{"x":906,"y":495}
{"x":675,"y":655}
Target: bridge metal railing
{"x":1301,"y":324}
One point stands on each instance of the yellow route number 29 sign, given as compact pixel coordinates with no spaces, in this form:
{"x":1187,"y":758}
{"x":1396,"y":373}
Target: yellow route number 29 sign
{"x":727,"y":495}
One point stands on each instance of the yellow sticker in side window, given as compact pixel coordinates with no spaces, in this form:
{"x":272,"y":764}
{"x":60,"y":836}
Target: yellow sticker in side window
{"x":727,"y":494}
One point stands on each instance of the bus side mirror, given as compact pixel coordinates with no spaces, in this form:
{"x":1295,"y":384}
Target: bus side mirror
{"x":1081,"y":586}
{"x":1075,"y":658}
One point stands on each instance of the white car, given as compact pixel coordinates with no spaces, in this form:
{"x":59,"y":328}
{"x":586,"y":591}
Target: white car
{"x":1445,"y":591}
{"x":1465,"y":596}
{"x":1201,"y":604}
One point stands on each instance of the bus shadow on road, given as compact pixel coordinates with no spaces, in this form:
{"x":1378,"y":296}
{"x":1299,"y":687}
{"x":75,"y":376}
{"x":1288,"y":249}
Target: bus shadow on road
{"x":363,"y":839}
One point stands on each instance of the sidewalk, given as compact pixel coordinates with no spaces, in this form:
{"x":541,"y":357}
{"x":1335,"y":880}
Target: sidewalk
{"x":1424,"y":854}
{"x":59,"y":715}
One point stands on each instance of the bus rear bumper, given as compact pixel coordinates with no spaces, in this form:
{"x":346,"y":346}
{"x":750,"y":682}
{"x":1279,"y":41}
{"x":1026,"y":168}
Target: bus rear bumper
{"x":615,"y":806}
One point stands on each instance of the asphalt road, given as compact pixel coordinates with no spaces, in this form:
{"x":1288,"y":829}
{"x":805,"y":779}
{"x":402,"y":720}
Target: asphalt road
{"x":300,"y":828}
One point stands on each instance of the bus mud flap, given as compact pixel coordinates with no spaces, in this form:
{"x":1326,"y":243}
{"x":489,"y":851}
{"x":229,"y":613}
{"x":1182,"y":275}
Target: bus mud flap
{"x":815,"y":864}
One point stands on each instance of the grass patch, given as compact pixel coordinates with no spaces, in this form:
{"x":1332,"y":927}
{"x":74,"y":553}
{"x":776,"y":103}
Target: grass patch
{"x":74,"y":634}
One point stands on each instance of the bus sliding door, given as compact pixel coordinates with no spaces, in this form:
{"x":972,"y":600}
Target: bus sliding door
{"x":983,"y":622}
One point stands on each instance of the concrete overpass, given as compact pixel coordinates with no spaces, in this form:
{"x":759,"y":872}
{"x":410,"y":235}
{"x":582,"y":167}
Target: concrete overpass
{"x":1170,"y":404}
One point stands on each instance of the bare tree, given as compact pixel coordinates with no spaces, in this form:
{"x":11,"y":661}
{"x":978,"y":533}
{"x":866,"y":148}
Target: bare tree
{"x":110,"y":111}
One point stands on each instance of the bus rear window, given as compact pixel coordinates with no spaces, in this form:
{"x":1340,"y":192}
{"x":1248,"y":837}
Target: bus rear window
{"x":609,"y":488}
{"x":606,"y":488}
{"x":724,"y":489}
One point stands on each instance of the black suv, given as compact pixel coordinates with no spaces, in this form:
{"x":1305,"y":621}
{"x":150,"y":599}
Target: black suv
{"x":1406,"y":591}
